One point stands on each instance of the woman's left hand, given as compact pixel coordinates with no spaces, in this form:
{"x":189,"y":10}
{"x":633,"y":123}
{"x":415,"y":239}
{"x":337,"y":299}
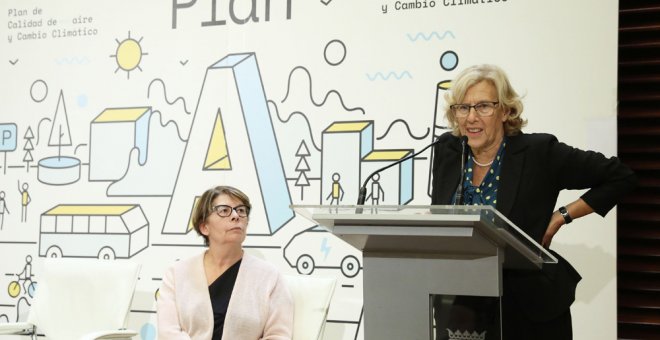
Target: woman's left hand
{"x":556,"y":221}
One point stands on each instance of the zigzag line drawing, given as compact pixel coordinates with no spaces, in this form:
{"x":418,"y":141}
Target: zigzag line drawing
{"x":309,"y":76}
{"x":428,"y":130}
{"x":430,"y":36}
{"x":309,"y":127}
{"x":176,"y":126}
{"x":185,"y":108}
{"x":387,"y":77}
{"x":72,"y":60}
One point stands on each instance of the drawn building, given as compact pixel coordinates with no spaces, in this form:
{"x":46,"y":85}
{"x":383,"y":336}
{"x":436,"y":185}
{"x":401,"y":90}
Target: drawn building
{"x":345,"y":144}
{"x":113,"y":134}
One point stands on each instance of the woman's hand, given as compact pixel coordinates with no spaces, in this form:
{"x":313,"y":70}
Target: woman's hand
{"x":576,"y":209}
{"x":556,"y":221}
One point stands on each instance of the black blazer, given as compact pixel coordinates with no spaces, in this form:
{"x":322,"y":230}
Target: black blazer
{"x":535,"y":168}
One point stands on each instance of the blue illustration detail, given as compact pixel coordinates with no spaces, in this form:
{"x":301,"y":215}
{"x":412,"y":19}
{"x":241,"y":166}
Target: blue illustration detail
{"x":82,"y":100}
{"x":263,"y":144}
{"x":406,"y":184}
{"x":367,"y":140}
{"x":142,"y":136}
{"x":389,"y":75}
{"x":325,"y":248}
{"x":449,"y":60}
{"x":148,"y":332}
{"x":430,"y":36}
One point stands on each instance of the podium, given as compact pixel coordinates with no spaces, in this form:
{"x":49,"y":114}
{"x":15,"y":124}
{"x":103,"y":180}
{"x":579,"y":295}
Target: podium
{"x":412,"y":253}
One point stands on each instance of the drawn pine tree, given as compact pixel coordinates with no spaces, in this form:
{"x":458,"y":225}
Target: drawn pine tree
{"x":28,"y":147}
{"x":302,"y":168}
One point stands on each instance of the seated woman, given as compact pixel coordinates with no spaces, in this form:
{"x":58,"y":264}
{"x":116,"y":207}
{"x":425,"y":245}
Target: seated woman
{"x":223,"y":293}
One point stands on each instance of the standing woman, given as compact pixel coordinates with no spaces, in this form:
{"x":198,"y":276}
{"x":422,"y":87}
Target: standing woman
{"x":521,"y":175}
{"x":224,"y":293}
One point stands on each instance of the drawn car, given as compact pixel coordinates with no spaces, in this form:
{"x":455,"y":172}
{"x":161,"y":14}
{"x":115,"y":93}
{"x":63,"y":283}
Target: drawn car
{"x":315,"y":247}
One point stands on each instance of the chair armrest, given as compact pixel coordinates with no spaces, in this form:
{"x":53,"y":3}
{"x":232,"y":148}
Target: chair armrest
{"x":16,"y":328}
{"x":110,"y":334}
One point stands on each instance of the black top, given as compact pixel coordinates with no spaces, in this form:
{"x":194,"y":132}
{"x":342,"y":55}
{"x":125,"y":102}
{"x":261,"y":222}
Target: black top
{"x":220,"y":292}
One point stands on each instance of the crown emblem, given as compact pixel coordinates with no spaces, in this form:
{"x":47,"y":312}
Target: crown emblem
{"x":458,"y":335}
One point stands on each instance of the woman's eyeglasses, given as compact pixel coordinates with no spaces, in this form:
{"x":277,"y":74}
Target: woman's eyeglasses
{"x":225,"y":210}
{"x":483,"y":109}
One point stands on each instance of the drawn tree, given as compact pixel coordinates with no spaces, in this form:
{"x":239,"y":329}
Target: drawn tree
{"x":302,"y":167}
{"x":59,"y":133}
{"x":28,"y":147}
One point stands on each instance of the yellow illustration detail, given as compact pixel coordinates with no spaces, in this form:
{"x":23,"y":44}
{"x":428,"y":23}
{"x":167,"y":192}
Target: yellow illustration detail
{"x":386,"y":155}
{"x":190,"y":224}
{"x":444,"y":85}
{"x":89,"y":210}
{"x":128,"y":55}
{"x":347,"y":126}
{"x":217,"y":155}
{"x":14,"y":289}
{"x":121,"y":115}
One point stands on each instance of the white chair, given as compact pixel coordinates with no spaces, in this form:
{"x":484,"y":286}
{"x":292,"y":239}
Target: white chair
{"x":311,"y":296}
{"x":81,"y":299}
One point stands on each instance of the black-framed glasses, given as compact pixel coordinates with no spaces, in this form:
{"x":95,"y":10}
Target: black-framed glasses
{"x":225,"y":211}
{"x":483,"y":109}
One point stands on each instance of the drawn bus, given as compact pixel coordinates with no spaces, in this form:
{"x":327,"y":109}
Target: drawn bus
{"x":101,"y":231}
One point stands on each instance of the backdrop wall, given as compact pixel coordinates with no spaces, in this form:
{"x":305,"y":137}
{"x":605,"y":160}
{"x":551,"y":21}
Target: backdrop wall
{"x":115,"y":116}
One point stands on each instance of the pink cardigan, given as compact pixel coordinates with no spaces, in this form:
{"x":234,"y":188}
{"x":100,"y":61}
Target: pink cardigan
{"x":261,"y":306}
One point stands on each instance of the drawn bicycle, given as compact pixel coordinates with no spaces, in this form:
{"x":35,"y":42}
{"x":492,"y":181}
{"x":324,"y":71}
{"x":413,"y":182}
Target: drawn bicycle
{"x":24,"y":285}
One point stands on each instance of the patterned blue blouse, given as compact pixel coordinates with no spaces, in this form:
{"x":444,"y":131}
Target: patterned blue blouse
{"x":486,"y":192}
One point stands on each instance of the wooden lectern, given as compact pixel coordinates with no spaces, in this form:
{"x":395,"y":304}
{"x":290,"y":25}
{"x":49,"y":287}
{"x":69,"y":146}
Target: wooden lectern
{"x":411,"y":253}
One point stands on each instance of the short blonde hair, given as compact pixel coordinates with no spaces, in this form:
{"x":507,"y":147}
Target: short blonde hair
{"x":204,"y":206}
{"x":509,"y":100}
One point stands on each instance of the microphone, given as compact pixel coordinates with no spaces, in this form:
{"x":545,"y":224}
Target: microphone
{"x":362,"y":195}
{"x":459,"y":190}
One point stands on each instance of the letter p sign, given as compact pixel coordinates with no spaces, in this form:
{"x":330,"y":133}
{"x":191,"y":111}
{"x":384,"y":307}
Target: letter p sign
{"x":8,"y":137}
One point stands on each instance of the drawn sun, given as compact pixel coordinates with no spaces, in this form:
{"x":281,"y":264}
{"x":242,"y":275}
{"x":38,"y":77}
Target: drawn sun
{"x":129,"y":54}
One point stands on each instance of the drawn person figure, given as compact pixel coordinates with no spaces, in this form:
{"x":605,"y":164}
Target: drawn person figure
{"x":25,"y":200}
{"x":337,"y":193}
{"x":377,"y":193}
{"x":26,"y":274}
{"x":3,"y":208}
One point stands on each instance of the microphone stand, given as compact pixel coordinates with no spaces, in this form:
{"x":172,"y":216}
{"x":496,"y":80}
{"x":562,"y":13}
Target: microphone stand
{"x":459,"y":190}
{"x":362,"y":195}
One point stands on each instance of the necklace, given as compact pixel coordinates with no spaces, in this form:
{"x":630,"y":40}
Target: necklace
{"x":482,"y":164}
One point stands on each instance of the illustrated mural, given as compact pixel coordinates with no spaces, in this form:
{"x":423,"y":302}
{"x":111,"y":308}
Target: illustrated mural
{"x":114,"y":121}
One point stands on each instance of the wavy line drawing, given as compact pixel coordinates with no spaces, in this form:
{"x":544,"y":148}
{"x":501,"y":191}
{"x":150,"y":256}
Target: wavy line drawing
{"x":75,"y":151}
{"x":389,"y":75}
{"x":171,"y":121}
{"x":428,"y":130}
{"x":185,"y":108}
{"x":72,"y":60}
{"x":309,"y":76}
{"x":430,"y":36}
{"x":309,"y":126}
{"x":39,"y":128}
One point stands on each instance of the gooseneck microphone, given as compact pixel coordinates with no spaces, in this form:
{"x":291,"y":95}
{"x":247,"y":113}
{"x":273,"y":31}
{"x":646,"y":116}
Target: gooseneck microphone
{"x":458,"y":200}
{"x":362,"y":195}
